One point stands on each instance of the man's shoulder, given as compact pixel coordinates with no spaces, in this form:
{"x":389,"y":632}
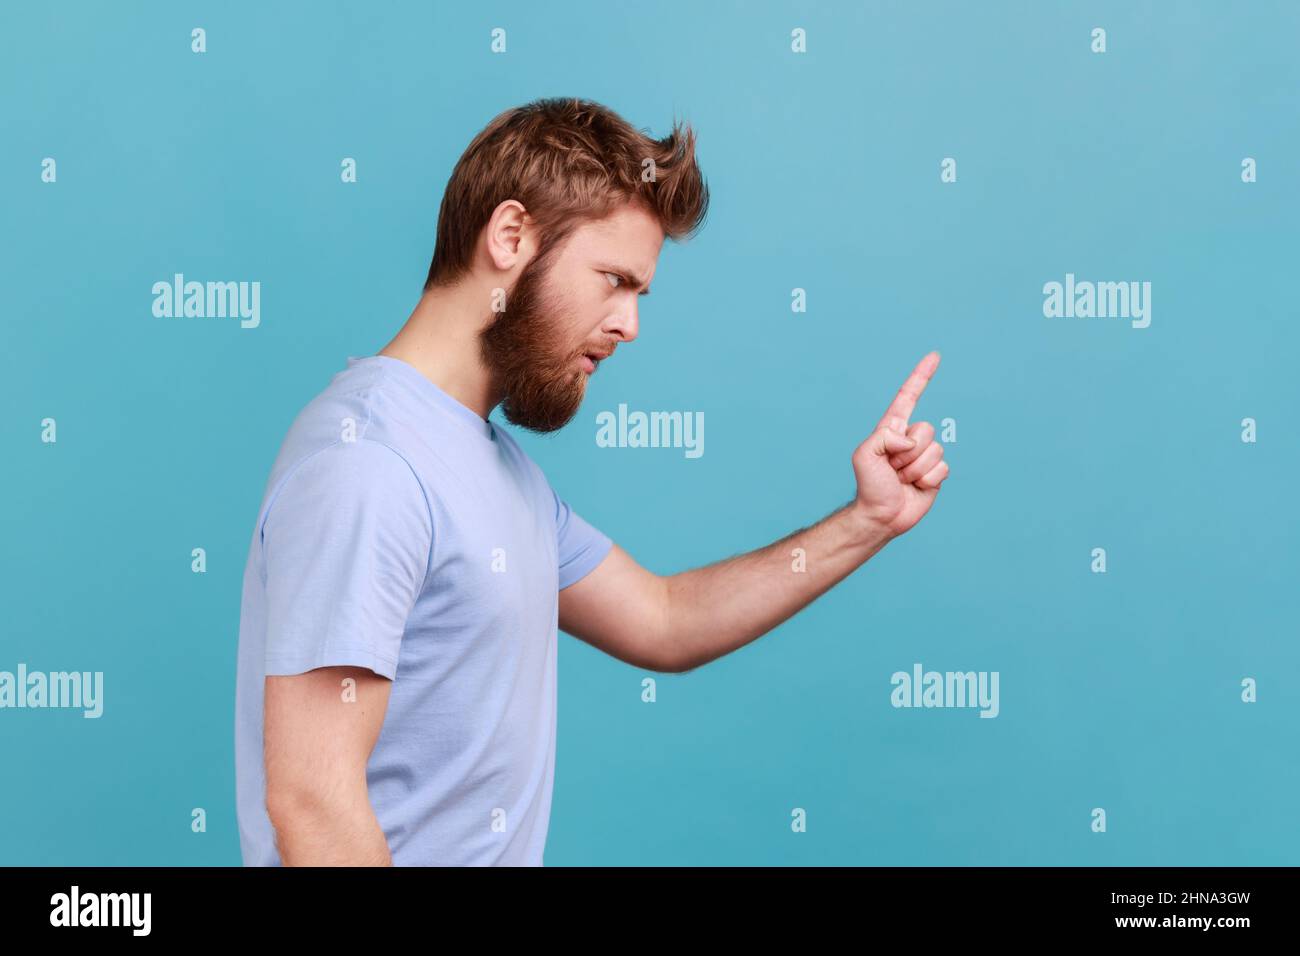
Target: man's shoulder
{"x":343,"y":476}
{"x":360,"y":403}
{"x":342,"y":441}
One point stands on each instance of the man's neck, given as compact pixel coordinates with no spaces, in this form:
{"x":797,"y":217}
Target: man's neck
{"x":441,"y":340}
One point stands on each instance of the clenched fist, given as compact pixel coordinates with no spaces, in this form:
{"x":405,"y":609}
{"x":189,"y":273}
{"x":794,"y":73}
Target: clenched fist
{"x":900,"y":467}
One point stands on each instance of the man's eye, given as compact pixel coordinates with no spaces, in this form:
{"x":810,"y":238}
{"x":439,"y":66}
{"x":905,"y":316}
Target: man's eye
{"x":614,"y":278}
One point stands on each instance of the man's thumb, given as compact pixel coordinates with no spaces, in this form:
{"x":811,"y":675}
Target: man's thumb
{"x":890,"y":442}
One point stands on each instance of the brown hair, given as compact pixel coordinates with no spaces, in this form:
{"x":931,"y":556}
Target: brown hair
{"x":567,"y":161}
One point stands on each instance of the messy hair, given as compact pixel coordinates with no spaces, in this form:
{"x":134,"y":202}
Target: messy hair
{"x":566,"y":161}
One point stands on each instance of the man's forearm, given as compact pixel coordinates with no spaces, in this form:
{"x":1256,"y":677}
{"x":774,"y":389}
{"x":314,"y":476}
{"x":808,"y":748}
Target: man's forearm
{"x":717,"y":608}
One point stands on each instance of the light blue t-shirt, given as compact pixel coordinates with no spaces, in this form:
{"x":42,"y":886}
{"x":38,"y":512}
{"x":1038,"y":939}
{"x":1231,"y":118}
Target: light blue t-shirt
{"x":402,"y":532}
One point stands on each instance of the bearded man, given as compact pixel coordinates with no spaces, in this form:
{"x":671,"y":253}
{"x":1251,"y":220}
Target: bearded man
{"x":396,"y":696}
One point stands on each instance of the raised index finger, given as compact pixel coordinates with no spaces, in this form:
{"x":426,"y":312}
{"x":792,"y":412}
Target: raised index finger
{"x":905,"y":401}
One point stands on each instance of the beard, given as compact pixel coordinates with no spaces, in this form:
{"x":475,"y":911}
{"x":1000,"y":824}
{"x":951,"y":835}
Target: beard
{"x":525,"y":352}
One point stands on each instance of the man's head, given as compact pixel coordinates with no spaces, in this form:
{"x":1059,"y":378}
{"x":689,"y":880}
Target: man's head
{"x":565,"y":206}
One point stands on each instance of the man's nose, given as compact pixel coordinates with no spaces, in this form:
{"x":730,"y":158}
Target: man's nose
{"x":625,"y":322}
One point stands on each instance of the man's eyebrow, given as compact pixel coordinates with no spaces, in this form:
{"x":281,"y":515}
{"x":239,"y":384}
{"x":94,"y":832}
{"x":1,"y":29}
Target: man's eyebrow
{"x":627,"y":275}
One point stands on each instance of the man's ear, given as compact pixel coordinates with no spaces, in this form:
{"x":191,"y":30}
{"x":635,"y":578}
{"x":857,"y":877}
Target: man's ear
{"x":509,"y":235}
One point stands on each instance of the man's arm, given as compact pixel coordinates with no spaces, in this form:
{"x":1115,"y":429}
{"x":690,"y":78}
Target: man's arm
{"x":716,"y":609}
{"x":622,"y":609}
{"x":317,"y":742}
{"x":679,"y":622}
{"x":345,"y":546}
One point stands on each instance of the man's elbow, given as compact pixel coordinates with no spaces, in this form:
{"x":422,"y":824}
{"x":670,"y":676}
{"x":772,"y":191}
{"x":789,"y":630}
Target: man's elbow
{"x":293,"y":808}
{"x":323,"y":828}
{"x":674,"y":657}
{"x":671,"y":659}
{"x":289,"y":798}
{"x":680,"y":665}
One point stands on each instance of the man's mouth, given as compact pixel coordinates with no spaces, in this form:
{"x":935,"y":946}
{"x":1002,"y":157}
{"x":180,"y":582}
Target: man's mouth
{"x":591,"y":359}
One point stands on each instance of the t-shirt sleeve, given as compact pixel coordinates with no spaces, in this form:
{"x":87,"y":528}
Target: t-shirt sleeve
{"x":581,"y":547}
{"x":346,"y":545}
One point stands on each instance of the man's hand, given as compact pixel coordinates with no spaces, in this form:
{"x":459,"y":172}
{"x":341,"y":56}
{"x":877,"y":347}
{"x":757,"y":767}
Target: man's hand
{"x":899,"y":467}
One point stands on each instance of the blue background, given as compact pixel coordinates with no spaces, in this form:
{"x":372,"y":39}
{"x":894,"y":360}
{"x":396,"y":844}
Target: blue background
{"x":1118,"y":690}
